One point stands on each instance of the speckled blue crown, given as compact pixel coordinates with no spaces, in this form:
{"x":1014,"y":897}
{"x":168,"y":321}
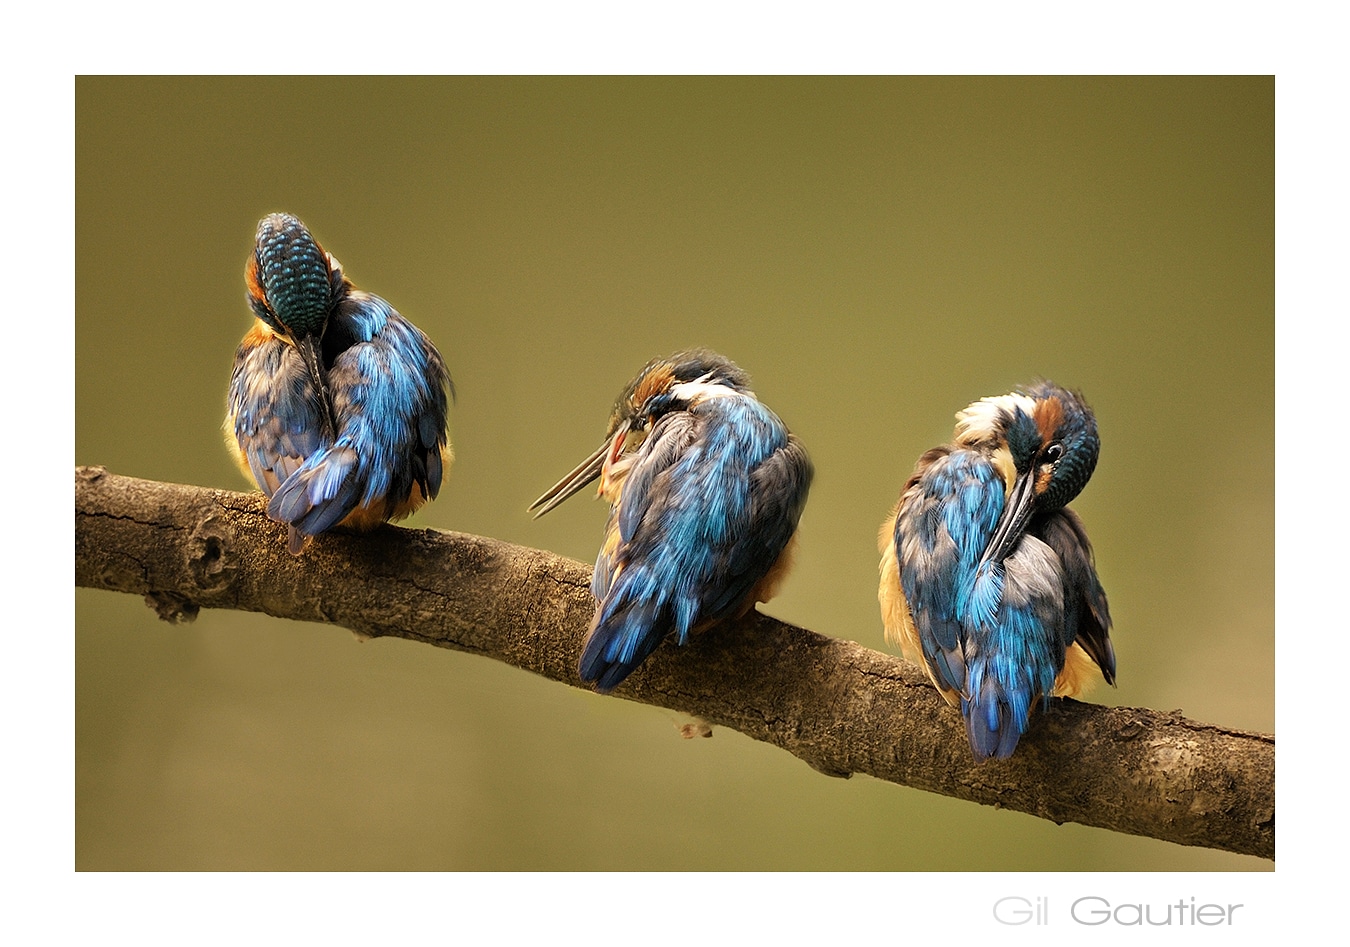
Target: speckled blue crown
{"x":293,"y":271}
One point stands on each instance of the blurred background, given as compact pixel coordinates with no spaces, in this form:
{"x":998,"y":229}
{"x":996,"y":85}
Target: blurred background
{"x":877,"y":253}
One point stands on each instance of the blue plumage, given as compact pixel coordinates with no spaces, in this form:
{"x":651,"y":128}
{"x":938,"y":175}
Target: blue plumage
{"x":337,"y":404}
{"x":987,"y":576}
{"x":706,"y":488}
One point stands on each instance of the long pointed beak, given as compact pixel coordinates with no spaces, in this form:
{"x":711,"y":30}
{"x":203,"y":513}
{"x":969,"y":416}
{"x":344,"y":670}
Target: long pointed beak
{"x":582,"y":474}
{"x":308,"y":347}
{"x":1013,"y":523}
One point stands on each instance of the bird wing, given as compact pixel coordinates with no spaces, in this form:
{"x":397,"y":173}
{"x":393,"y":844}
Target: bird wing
{"x":778,"y":490}
{"x":1087,"y":620}
{"x":389,"y":391}
{"x":631,"y":618}
{"x":275,"y":418}
{"x":630,"y":475}
{"x":945,"y":520}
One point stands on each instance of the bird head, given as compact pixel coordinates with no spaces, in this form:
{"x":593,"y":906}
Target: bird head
{"x":674,"y":384}
{"x":1056,"y":441}
{"x":1044,"y":438}
{"x":663,"y":385}
{"x":292,"y":287}
{"x":292,"y":283}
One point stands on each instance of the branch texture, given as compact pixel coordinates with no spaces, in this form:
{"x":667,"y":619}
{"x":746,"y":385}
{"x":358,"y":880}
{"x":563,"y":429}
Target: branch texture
{"x":840,"y":707}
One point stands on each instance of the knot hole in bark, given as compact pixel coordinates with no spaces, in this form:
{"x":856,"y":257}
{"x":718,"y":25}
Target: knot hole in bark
{"x":211,"y":558}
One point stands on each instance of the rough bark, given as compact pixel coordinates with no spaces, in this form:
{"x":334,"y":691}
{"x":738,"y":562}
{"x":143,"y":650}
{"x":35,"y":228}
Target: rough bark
{"x":840,"y":707}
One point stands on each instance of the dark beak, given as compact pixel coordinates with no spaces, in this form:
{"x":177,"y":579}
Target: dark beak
{"x":308,"y":347}
{"x":1013,"y":523}
{"x":582,"y":474}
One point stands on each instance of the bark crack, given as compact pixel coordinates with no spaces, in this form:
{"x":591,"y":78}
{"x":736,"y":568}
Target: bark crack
{"x":831,"y":702}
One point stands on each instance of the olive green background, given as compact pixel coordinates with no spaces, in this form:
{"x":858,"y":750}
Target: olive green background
{"x":877,"y":253}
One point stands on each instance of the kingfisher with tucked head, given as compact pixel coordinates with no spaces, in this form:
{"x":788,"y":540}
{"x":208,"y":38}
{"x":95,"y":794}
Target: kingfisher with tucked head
{"x":706,"y":486}
{"x":987,"y":577}
{"x":337,"y":404}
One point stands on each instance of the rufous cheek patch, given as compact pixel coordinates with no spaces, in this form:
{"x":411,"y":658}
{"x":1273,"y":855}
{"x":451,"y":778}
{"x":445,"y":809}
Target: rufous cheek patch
{"x":1048,"y":415}
{"x":653,"y":383}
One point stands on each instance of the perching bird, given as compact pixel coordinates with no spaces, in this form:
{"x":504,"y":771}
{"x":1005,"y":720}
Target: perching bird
{"x":988,"y":576}
{"x":706,"y":487}
{"x":337,"y":404}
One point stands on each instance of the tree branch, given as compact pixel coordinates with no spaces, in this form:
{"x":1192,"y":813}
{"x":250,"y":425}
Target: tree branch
{"x":838,"y":706}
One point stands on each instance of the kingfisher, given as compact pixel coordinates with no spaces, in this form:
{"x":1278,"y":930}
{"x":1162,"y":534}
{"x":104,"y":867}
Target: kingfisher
{"x":987,"y":577}
{"x":337,"y":404}
{"x":706,"y":486}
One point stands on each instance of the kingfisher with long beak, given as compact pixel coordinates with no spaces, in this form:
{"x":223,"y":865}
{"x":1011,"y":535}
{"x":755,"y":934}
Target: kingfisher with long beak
{"x":987,"y":577}
{"x":706,"y":486}
{"x":337,"y":404}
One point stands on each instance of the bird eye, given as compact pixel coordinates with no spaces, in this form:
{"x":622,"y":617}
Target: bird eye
{"x":1054,"y":452}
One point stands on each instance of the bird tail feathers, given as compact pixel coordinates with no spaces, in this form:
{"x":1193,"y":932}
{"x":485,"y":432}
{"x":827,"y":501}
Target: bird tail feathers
{"x":996,"y":715}
{"x":318,"y":495}
{"x":619,"y":642}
